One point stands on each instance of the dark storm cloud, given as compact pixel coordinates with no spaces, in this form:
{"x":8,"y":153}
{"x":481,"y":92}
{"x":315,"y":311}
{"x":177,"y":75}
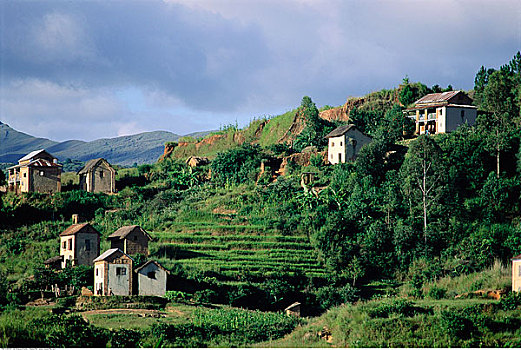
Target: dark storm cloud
{"x":199,"y":57}
{"x":130,"y":66}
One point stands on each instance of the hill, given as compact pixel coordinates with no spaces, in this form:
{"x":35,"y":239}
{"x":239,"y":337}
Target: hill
{"x":124,"y":150}
{"x":280,"y":129}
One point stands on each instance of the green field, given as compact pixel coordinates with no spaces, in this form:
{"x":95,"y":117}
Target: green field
{"x":230,"y":250}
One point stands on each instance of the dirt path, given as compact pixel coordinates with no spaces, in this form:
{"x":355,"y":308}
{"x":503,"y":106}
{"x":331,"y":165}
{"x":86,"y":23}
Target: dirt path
{"x":123,"y":311}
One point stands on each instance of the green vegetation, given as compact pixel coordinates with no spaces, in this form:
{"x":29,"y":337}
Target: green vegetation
{"x":395,"y":236}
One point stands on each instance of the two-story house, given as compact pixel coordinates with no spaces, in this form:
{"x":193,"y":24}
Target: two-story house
{"x":131,"y":240}
{"x":79,"y":245}
{"x":38,"y":171}
{"x":344,"y":143}
{"x":442,"y":112}
{"x":113,"y":273}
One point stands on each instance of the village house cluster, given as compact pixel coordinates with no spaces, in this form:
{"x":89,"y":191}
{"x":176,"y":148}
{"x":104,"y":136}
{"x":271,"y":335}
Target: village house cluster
{"x":115,"y":272}
{"x":39,"y":171}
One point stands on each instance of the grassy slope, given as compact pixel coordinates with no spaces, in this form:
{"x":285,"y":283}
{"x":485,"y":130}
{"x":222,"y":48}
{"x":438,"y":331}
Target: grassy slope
{"x":273,"y":130}
{"x":210,"y":235}
{"x":429,"y":326}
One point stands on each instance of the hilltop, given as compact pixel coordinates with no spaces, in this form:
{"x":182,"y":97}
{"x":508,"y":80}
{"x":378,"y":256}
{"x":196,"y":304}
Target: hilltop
{"x":280,"y":129}
{"x":124,"y":150}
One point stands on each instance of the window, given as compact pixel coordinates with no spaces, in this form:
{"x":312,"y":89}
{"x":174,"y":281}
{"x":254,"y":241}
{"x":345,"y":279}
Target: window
{"x":96,"y":272}
{"x":121,"y":271}
{"x":462,"y":114}
{"x":42,"y":173}
{"x":340,"y":157}
{"x":151,"y":274}
{"x":332,"y":144}
{"x":87,"y":244}
{"x":25,"y":174}
{"x":340,"y":143}
{"x":331,"y":156}
{"x":134,"y":238}
{"x":101,"y":174}
{"x":64,"y":244}
{"x":519,"y":270}
{"x":441,"y":111}
{"x":70,"y":243}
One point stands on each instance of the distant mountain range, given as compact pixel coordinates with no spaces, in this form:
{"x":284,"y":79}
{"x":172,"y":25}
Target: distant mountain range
{"x":124,"y":150}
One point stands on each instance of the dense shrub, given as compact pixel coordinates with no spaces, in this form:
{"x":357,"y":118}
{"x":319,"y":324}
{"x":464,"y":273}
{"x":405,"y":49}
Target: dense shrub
{"x":400,"y":307}
{"x":237,"y":165}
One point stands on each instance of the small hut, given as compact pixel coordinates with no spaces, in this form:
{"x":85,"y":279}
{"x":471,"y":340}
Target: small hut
{"x":293,"y":309}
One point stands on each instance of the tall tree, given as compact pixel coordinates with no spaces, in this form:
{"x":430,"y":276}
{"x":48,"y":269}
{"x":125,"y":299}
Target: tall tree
{"x":422,"y":175}
{"x":499,"y":100}
{"x":315,"y":128}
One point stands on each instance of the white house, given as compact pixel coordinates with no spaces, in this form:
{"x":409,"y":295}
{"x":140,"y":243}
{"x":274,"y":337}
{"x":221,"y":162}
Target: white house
{"x":152,"y":278}
{"x":442,"y":112}
{"x":344,"y":143}
{"x":113,"y":273}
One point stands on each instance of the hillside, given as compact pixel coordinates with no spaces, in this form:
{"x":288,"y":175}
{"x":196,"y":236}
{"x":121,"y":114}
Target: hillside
{"x":280,"y":129}
{"x":124,"y":150}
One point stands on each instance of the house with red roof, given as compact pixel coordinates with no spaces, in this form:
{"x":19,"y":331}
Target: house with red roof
{"x":79,"y":245}
{"x":38,"y":171}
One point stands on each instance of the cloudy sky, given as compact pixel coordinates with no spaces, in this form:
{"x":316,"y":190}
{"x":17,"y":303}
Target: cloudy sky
{"x":91,"y":69}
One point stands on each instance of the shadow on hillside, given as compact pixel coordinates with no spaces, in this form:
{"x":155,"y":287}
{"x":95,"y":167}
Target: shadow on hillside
{"x":172,"y":252}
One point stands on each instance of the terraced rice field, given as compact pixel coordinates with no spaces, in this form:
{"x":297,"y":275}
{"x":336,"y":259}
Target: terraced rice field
{"x":235,"y":250}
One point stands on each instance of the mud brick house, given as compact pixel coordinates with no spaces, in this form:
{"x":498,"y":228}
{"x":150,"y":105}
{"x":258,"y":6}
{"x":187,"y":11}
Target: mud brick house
{"x":113,"y":273}
{"x":442,"y":112}
{"x":151,"y":278}
{"x":131,"y":240}
{"x":38,"y":171}
{"x":344,"y":143}
{"x":98,"y":176}
{"x":79,"y":245}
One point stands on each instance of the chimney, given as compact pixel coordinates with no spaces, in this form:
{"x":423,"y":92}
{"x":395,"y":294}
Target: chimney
{"x":75,"y":218}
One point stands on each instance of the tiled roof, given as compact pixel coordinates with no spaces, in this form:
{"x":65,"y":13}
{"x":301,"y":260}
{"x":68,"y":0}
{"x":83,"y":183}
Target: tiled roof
{"x":123,"y":232}
{"x":108,"y":253}
{"x":152,"y":262}
{"x":37,"y":163}
{"x":437,"y":97}
{"x":31,"y":155}
{"x":91,"y":164}
{"x":517,"y":257}
{"x":75,"y":228}
{"x":341,"y":130}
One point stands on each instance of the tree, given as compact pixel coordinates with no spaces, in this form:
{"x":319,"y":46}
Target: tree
{"x":499,"y":99}
{"x":422,"y":174}
{"x":393,"y":125}
{"x":315,"y":128}
{"x":406,"y":94}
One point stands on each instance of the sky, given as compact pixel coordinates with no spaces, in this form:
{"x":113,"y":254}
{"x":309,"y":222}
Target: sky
{"x":92,"y":69}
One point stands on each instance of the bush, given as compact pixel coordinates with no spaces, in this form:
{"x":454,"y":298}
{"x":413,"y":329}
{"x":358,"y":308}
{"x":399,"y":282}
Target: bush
{"x":456,"y":325}
{"x":510,"y":301}
{"x":174,"y":295}
{"x":125,"y":338}
{"x":400,"y":307}
{"x":330,"y":296}
{"x":237,"y":165}
{"x":436,"y":293}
